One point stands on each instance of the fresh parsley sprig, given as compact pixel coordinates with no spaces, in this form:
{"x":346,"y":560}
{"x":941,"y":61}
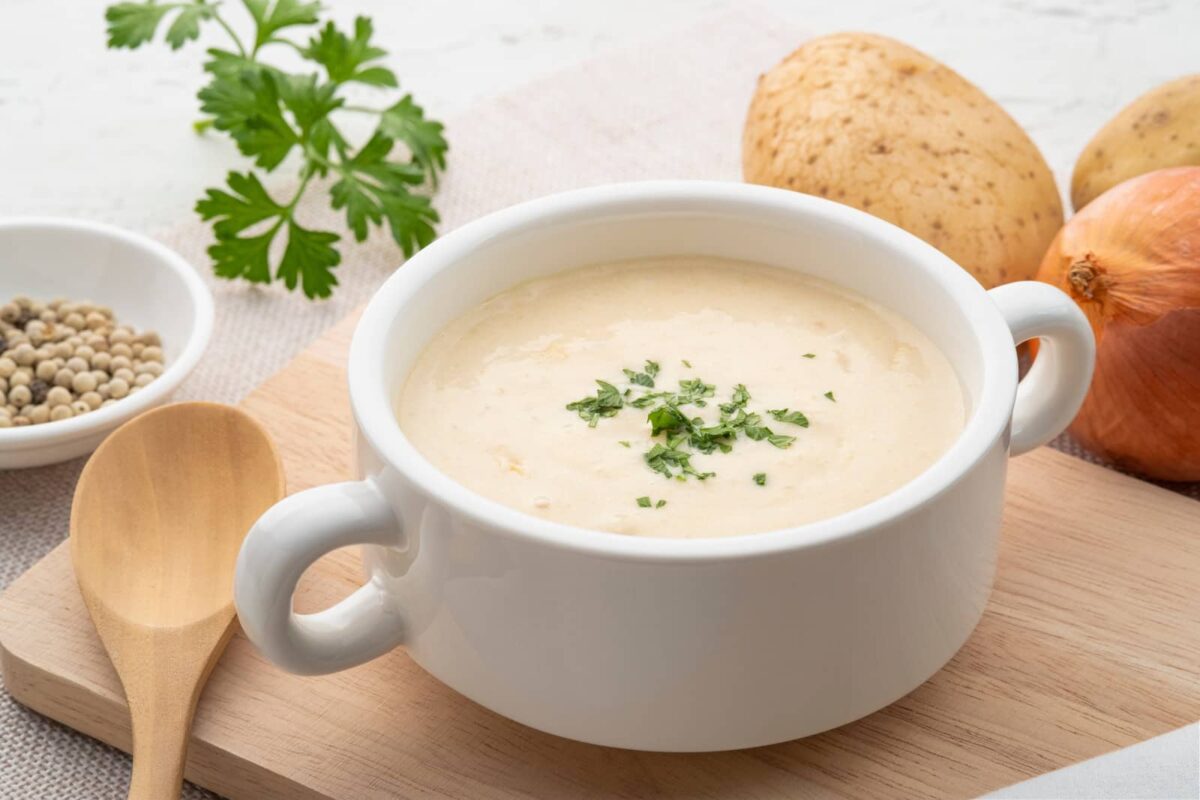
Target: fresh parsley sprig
{"x":272,"y":114}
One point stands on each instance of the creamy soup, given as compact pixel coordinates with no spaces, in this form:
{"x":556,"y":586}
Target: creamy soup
{"x":778,"y":399}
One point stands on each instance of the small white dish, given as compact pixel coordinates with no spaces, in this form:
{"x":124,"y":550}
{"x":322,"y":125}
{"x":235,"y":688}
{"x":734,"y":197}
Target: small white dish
{"x":146,"y":284}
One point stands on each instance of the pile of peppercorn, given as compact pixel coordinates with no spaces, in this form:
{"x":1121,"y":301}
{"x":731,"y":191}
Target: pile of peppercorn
{"x":61,"y":359}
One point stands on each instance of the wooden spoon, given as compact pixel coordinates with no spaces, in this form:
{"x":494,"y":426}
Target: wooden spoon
{"x":160,"y":512}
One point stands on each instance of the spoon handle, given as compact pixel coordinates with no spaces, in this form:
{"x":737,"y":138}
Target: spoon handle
{"x":163,"y":672}
{"x":160,"y":740}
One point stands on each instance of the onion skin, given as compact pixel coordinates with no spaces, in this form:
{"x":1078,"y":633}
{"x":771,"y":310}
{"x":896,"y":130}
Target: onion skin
{"x":1131,"y":260}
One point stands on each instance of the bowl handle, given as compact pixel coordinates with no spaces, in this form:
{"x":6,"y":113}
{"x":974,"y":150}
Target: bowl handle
{"x":1050,"y":395}
{"x":286,"y":541}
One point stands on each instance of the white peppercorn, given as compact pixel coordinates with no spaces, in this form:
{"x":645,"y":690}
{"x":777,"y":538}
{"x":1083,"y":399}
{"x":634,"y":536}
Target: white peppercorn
{"x":95,"y":320}
{"x":74,"y":341}
{"x":20,"y":421}
{"x":19,"y":395}
{"x":39,"y":414}
{"x":118,"y":388}
{"x":152,"y":353}
{"x":106,"y":403}
{"x":137,"y":348}
{"x":24,"y":354}
{"x":57,"y":396}
{"x":46,"y":369}
{"x":120,"y":335}
{"x":124,"y":373}
{"x":62,"y":350}
{"x":102,"y":360}
{"x":85,"y":352}
{"x":3,"y":387}
{"x":44,"y":352}
{"x":79,"y":407}
{"x":60,"y":412}
{"x":75,"y":320}
{"x":148,"y":368}
{"x":93,"y":399}
{"x":36,"y":331}
{"x":64,"y":377}
{"x":121,"y":350}
{"x":83,"y":382}
{"x":150,"y":338}
{"x":7,"y":366}
{"x":145,"y":379}
{"x":77,"y":364}
{"x":22,"y":377}
{"x":120,"y":362}
{"x":48,"y":315}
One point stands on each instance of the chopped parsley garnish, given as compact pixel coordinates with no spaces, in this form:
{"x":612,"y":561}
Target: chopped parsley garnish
{"x":829,"y":396}
{"x":644,"y":502}
{"x":810,"y":355}
{"x":660,"y":504}
{"x":686,"y":363}
{"x":684,"y":436}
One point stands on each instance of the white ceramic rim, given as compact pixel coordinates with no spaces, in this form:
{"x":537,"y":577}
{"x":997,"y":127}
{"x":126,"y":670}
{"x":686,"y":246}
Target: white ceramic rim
{"x":154,"y":393}
{"x":370,"y":399}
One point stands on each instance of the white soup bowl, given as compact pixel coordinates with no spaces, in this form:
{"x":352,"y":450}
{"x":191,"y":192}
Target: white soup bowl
{"x":655,"y":643}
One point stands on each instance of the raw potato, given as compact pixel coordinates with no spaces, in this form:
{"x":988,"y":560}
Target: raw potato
{"x":1160,"y":129}
{"x":875,"y":124}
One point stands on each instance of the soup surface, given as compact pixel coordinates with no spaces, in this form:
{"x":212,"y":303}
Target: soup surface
{"x":777,"y":399}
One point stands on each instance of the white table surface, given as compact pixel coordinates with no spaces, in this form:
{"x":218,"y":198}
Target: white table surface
{"x":94,"y":133}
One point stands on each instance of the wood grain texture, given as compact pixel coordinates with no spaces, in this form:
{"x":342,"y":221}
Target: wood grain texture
{"x":1091,"y":642}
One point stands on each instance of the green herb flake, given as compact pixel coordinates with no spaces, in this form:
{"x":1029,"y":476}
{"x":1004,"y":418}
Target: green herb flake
{"x":644,"y":502}
{"x":829,"y":396}
{"x":760,"y":478}
{"x":660,"y":504}
{"x":606,"y":403}
{"x":624,"y":443}
{"x":687,"y":363}
{"x":810,"y":355}
{"x":785,"y":415}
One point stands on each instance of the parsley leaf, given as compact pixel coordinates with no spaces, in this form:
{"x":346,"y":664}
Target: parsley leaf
{"x":247,"y":106}
{"x":760,"y":478}
{"x":644,"y":502}
{"x":810,"y":355}
{"x":133,"y":24}
{"x":829,"y":396}
{"x":310,"y":259}
{"x":270,"y":18}
{"x":406,"y":122}
{"x":344,"y":59}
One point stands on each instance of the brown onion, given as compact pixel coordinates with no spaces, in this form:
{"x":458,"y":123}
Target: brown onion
{"x":1131,"y":259}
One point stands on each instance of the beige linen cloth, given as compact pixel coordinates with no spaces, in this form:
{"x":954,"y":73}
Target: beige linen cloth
{"x":672,"y":109}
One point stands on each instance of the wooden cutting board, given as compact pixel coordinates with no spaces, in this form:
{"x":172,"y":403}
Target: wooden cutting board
{"x":1091,"y":642}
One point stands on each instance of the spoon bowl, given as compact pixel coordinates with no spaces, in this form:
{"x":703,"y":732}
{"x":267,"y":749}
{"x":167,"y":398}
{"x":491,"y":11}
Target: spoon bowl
{"x":159,"y":515}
